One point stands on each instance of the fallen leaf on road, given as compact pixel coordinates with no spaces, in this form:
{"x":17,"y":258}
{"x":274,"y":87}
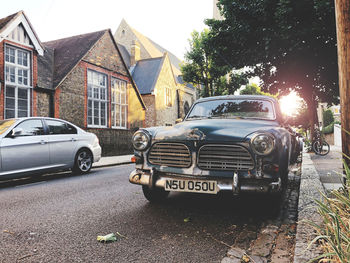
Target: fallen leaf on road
{"x":9,"y":232}
{"x":187,"y":219}
{"x":245,"y":258}
{"x":107,"y":238}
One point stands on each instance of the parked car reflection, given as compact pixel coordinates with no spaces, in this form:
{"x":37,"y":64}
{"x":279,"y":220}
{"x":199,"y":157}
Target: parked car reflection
{"x":39,"y":145}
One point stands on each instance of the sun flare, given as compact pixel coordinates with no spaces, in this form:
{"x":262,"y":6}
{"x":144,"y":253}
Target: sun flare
{"x":290,"y":104}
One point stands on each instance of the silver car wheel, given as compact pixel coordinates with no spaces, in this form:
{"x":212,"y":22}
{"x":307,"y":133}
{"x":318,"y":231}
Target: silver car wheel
{"x":83,"y":161}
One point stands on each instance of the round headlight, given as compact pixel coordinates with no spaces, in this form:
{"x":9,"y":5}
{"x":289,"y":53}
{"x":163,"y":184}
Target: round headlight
{"x":263,"y":144}
{"x":141,"y":140}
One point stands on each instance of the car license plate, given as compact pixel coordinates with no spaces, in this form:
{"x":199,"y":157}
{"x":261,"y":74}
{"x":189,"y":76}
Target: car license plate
{"x":196,"y":186}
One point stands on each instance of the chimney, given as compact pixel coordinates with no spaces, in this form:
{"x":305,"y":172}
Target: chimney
{"x":135,"y":52}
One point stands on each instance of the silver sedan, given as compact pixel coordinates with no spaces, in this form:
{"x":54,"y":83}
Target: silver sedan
{"x":39,"y":145}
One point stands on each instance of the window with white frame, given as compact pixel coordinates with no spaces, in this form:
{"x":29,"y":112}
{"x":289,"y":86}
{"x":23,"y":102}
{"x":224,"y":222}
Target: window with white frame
{"x":17,"y":82}
{"x":119,"y":103}
{"x":167,"y":98}
{"x":97,"y":99}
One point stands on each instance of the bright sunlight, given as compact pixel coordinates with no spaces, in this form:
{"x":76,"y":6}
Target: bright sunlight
{"x":290,"y":104}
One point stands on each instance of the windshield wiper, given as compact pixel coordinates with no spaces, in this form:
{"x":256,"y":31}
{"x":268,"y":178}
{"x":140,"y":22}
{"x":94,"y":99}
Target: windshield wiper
{"x":227,"y":116}
{"x":198,"y":117}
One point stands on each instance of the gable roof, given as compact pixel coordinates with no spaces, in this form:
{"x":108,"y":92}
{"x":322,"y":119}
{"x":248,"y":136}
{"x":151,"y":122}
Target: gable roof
{"x":4,"y":21}
{"x":66,"y":53}
{"x":175,"y":61}
{"x":125,"y":54}
{"x":153,"y":50}
{"x":69,"y":51}
{"x":46,"y":69}
{"x":146,"y":72}
{"x":9,"y":23}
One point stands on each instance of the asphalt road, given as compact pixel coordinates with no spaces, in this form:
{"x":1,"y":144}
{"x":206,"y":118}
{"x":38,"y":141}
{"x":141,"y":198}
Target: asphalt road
{"x":57,"y":218}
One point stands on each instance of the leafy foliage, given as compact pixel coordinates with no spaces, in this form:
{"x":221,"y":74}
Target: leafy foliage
{"x":232,"y":82}
{"x":253,"y":89}
{"x":328,"y":117}
{"x":334,"y":232}
{"x":200,"y":68}
{"x":289,"y":44}
{"x":328,"y":129}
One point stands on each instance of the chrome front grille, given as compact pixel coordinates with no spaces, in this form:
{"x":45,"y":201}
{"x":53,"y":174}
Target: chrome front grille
{"x":170,"y":154}
{"x":224,"y":157}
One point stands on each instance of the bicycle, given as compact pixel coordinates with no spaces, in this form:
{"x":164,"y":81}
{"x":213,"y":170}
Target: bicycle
{"x":319,"y":145}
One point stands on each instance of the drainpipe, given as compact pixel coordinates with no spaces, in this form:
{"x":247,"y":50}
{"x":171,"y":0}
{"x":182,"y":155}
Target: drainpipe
{"x":52,"y":104}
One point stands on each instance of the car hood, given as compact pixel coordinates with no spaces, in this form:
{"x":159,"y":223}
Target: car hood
{"x":213,"y":130}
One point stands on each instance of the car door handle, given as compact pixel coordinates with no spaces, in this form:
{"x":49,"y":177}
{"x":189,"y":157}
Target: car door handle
{"x":73,"y":140}
{"x":42,"y":142}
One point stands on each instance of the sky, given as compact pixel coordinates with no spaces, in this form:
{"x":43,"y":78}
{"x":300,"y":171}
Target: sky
{"x":167,"y":22}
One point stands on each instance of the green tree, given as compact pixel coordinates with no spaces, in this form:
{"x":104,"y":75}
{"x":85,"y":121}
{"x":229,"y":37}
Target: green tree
{"x":200,"y":68}
{"x":289,"y":44}
{"x":253,"y":89}
{"x":328,"y":117}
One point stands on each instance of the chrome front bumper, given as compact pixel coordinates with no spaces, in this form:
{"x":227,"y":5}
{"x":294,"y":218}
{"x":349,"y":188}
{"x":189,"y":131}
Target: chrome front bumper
{"x":234,"y":185}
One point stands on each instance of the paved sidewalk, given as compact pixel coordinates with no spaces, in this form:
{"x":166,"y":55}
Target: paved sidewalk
{"x":319,"y":175}
{"x":113,"y":160}
{"x":310,"y":190}
{"x":329,"y":167}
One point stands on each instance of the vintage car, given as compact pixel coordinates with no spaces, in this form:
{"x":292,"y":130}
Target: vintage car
{"x":225,"y":143}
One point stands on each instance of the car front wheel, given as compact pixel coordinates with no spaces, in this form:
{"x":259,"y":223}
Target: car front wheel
{"x":83,"y":161}
{"x":155,"y":195}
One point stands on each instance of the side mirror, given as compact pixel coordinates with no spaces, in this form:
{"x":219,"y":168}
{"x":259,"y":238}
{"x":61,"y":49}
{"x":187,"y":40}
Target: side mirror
{"x":16,"y":132}
{"x":178,"y":120}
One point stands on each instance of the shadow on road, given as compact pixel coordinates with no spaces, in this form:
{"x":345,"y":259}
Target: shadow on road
{"x":38,"y":179}
{"x":258,"y":206}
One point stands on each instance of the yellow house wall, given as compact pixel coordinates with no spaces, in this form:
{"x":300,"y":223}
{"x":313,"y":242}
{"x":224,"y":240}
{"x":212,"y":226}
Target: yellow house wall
{"x":136,"y":114}
{"x":165,"y":115}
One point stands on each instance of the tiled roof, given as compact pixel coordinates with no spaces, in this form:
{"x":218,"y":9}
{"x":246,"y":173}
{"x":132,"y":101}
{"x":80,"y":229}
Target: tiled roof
{"x":125,"y":54}
{"x":5,"y":20}
{"x":146,"y":73}
{"x":147,"y":44}
{"x":174,"y":60}
{"x":46,"y":69}
{"x":154,"y":50}
{"x":69,"y":51}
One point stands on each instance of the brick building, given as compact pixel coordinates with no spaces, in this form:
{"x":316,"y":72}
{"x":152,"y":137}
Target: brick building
{"x":157,"y":75}
{"x":82,"y":79}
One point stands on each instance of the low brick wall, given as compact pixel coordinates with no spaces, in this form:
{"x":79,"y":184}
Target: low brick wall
{"x":113,"y":141}
{"x":329,"y":138}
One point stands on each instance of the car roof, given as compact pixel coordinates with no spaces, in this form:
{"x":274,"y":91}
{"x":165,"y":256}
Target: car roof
{"x":261,"y":97}
{"x":30,"y":118}
{"x":17,"y":120}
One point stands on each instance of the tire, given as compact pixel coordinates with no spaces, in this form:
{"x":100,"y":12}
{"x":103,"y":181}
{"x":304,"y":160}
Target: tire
{"x":279,"y":196}
{"x":284,"y":178}
{"x":324,"y":150}
{"x":83,"y":161}
{"x":155,"y":195}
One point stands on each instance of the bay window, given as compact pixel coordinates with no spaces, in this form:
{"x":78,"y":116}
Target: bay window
{"x":17,"y":83}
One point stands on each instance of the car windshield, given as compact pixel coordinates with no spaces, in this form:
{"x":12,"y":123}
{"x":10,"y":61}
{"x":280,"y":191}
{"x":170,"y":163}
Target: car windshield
{"x":5,"y":124}
{"x":234,"y":108}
